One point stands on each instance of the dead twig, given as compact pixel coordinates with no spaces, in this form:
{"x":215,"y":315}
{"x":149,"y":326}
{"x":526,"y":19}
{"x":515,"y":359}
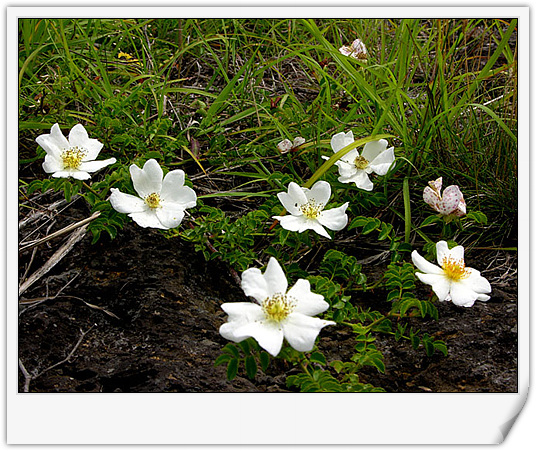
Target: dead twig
{"x":76,"y":236}
{"x":67,"y":229}
{"x":30,"y":377}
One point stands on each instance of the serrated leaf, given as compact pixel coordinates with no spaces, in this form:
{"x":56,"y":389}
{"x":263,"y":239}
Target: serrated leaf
{"x":251,"y":366}
{"x":221,"y":359}
{"x":318,"y":357}
{"x":232,"y":369}
{"x":265,"y":360}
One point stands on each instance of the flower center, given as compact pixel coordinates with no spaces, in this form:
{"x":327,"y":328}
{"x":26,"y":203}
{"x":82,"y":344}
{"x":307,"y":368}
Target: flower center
{"x":153,"y":200}
{"x":72,"y":157}
{"x":454,"y":269}
{"x":361,"y":162}
{"x":311,"y":209}
{"x":278,"y":306}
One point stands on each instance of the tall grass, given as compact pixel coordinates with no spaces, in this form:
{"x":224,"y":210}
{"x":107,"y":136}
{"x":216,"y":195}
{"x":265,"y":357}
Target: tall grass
{"x":214,"y":94}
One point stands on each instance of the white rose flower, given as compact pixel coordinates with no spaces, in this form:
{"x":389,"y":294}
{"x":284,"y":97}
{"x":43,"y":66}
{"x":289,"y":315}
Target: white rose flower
{"x":278,"y":314}
{"x":162,"y":200}
{"x":73,"y":157}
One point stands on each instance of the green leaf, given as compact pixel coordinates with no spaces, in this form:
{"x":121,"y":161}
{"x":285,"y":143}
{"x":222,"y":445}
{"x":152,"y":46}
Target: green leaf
{"x":251,"y":367}
{"x":232,"y":369}
{"x":221,"y":359}
{"x":318,"y":357}
{"x":265,"y":360}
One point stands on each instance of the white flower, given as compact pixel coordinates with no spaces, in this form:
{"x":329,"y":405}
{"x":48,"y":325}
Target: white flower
{"x":357,"y":50}
{"x":73,"y":157}
{"x":354,"y":167}
{"x":277,"y":314}
{"x":306,"y":208}
{"x":450,"y":204}
{"x":161,"y":203}
{"x":286,"y":145}
{"x":452,"y":280}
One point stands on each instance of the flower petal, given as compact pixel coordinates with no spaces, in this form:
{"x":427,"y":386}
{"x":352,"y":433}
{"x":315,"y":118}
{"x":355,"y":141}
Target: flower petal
{"x":334,"y":218}
{"x":147,"y":180}
{"x":254,"y":284}
{"x":276,"y":281}
{"x":313,"y":224}
{"x":240,"y":314}
{"x":147,"y":218}
{"x":289,"y":203}
{"x":442,"y":251}
{"x":383,"y":162}
{"x":320,"y":192}
{"x":53,"y":143}
{"x":78,"y":136}
{"x":450,"y":200}
{"x":78,"y":175}
{"x":476,"y":282}
{"x":93,"y":166}
{"x":462,"y":295}
{"x":173,"y":190}
{"x":52,"y":164}
{"x":292,"y":223}
{"x":346,"y":169}
{"x":440,"y":284}
{"x":296,"y":193}
{"x":424,"y":265}
{"x":301,"y":331}
{"x":431,"y":198}
{"x":361,"y":180}
{"x":373,"y":149}
{"x":126,"y":203}
{"x":268,"y":334}
{"x":309,"y":303}
{"x":341,"y":140}
{"x":170,"y":217}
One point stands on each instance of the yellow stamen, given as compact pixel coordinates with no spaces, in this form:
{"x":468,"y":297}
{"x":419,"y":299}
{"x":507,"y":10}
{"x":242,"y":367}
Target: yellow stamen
{"x":72,"y":157}
{"x":311,"y":209}
{"x":454,"y":269}
{"x":153,"y":200}
{"x":278,"y":307}
{"x":361,"y":162}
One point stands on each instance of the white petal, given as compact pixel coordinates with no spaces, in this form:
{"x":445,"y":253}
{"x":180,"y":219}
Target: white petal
{"x":292,"y":223}
{"x":320,"y":192}
{"x":442,"y":251}
{"x":53,"y":143}
{"x":78,"y":136}
{"x":456,"y":253}
{"x":482,"y":297}
{"x":285,"y":145}
{"x":147,"y":218}
{"x":450,"y":200}
{"x":431,"y":198}
{"x":462,"y":295}
{"x":254,"y":284}
{"x":126,"y":203}
{"x":93,"y":166}
{"x":361,"y":180}
{"x":276,"y":281}
{"x":301,"y":331}
{"x":346,"y":169}
{"x":268,"y":334}
{"x":313,"y":224}
{"x":383,"y":162}
{"x":341,"y":140}
{"x":173,"y":190}
{"x":373,"y":149}
{"x":289,"y":203}
{"x":93,"y":147}
{"x":440,"y":284}
{"x":334,"y":218}
{"x":243,"y":311}
{"x":296,"y":193}
{"x":476,"y":282}
{"x":424,"y":265}
{"x":309,"y":303}
{"x":52,"y":164}
{"x":78,"y":175}
{"x":147,"y":180}
{"x":170,"y":217}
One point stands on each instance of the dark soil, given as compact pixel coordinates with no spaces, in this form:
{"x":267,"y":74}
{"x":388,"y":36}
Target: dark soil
{"x":145,"y":311}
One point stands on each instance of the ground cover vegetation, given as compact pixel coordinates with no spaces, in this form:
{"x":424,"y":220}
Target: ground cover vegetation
{"x":318,"y":163}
